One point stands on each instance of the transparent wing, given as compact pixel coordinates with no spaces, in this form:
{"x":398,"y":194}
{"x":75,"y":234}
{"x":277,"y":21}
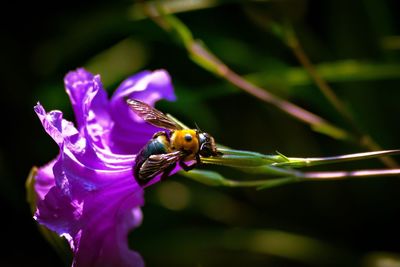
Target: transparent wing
{"x":156,"y":164}
{"x":152,"y":115}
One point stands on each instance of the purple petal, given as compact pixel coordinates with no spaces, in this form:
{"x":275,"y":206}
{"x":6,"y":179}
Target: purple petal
{"x":77,"y":84}
{"x":95,"y":201}
{"x":90,"y":104}
{"x":55,"y":126}
{"x":44,"y":180}
{"x":97,"y":227}
{"x":88,"y":194}
{"x":130,"y":132}
{"x":58,"y":213}
{"x":107,"y":229}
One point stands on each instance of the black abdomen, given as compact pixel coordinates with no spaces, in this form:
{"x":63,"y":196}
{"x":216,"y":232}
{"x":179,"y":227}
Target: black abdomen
{"x":153,"y":147}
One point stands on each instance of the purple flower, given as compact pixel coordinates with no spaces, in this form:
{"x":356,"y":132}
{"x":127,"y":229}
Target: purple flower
{"x":88,"y":194}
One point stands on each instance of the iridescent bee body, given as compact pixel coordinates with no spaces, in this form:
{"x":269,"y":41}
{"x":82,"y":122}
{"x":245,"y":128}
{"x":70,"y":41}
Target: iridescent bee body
{"x":166,"y":148}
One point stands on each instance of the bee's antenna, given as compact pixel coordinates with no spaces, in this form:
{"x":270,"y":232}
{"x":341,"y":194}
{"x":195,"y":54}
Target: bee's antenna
{"x":197,"y":126}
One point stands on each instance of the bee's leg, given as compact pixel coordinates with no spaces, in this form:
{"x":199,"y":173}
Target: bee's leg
{"x":187,"y":167}
{"x":198,"y":161}
{"x":167,"y":172}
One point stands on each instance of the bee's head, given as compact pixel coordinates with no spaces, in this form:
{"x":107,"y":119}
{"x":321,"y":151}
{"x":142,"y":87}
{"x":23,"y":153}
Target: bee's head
{"x":207,"y":144}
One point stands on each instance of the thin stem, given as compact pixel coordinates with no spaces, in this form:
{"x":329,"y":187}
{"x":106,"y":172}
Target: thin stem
{"x":307,"y":162}
{"x":350,"y":174}
{"x":211,"y":178}
{"x":365,"y":140}
{"x":317,"y":123}
{"x":262,"y":94}
{"x":171,"y":7}
{"x":297,"y":49}
{"x":261,"y":163}
{"x":209,"y":61}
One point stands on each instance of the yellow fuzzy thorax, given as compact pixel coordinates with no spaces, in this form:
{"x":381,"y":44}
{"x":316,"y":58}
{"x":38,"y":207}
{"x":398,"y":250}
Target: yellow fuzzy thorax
{"x":179,"y":141}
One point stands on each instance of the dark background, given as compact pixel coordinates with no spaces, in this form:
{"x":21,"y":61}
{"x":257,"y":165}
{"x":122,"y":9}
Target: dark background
{"x":337,"y":223}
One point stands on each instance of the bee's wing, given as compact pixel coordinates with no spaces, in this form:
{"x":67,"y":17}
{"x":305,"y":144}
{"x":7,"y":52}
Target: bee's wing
{"x":152,"y":115}
{"x":156,"y":164}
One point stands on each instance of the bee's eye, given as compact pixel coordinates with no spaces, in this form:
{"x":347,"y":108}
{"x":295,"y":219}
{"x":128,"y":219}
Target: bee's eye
{"x":188,"y":137}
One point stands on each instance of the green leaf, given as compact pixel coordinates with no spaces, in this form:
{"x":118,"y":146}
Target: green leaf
{"x":205,"y":177}
{"x":212,"y":178}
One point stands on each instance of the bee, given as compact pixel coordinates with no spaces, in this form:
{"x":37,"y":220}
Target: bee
{"x":176,"y":144}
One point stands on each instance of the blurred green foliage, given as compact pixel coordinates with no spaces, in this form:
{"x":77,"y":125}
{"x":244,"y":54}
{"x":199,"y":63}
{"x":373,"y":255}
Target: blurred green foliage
{"x":355,"y":48}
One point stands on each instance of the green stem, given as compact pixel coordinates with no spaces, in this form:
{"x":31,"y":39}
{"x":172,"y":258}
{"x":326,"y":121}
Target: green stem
{"x":365,"y":140}
{"x":260,"y":163}
{"x":205,"y":58}
{"x":306,"y":162}
{"x":212,"y":178}
{"x":349,"y":174}
{"x":209,"y":61}
{"x":171,"y":7}
{"x":297,"y":49}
